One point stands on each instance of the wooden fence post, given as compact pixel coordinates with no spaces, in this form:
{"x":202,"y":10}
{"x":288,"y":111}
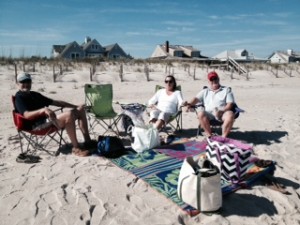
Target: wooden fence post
{"x":54,"y":76}
{"x":16,"y":72}
{"x":91,"y":74}
{"x":121,"y":72}
{"x":146,"y":69}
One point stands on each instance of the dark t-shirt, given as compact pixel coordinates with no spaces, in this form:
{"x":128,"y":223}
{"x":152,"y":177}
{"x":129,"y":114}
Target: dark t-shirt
{"x":29,"y":101}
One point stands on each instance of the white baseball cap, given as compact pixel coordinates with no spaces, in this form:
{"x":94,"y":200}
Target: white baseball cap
{"x":23,"y":76}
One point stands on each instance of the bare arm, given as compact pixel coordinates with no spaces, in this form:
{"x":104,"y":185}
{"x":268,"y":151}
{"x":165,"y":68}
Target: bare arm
{"x":63,"y":104}
{"x":228,"y":107}
{"x":46,"y":111}
{"x":191,"y":103}
{"x":35,"y":113}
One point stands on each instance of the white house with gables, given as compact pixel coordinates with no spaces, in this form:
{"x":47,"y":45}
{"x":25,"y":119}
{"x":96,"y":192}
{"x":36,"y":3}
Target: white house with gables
{"x":89,"y":49}
{"x":282,"y":57}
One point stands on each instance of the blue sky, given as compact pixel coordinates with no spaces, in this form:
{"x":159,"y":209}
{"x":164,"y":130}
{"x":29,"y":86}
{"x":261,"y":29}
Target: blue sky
{"x":259,"y":26}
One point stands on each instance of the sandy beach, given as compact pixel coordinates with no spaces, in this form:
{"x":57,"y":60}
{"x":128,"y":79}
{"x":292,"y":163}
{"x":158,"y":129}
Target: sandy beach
{"x":91,"y":190}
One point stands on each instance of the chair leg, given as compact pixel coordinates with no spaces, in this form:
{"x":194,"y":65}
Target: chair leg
{"x":20,"y":140}
{"x":199,"y":131}
{"x":60,"y":142}
{"x":38,"y":142}
{"x":111,"y":126}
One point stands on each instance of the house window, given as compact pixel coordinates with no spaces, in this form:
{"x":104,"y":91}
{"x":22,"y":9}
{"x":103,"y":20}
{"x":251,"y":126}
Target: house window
{"x":94,"y":46}
{"x":74,"y":55}
{"x":178,"y":53}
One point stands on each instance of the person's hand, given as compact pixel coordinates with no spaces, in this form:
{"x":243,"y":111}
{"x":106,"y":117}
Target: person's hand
{"x":81,"y":107}
{"x":219,"y":114}
{"x":152,"y":106}
{"x":189,"y":107}
{"x":183,"y":104}
{"x":50,"y":114}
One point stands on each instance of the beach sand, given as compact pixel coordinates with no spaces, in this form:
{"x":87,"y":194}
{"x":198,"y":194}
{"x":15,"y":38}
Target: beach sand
{"x":91,"y":190}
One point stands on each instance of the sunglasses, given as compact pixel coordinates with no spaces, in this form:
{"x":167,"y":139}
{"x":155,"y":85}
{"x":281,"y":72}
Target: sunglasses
{"x":168,"y":81}
{"x":214,"y":79}
{"x":25,"y":81}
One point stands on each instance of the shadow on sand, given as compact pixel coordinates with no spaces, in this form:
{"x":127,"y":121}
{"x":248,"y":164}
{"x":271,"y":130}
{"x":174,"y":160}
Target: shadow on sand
{"x":256,"y":137}
{"x":247,"y":205}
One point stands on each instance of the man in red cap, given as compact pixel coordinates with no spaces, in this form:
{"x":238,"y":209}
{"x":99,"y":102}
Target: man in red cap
{"x":218,"y":102}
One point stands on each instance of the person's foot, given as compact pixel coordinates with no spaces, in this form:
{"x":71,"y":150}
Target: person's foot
{"x":80,"y":152}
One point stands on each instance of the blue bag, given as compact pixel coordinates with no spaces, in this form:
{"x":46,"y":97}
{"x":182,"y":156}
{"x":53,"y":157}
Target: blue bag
{"x":110,"y":146}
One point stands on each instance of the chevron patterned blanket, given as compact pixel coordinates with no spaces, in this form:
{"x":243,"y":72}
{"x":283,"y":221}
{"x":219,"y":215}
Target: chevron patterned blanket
{"x":160,"y":169}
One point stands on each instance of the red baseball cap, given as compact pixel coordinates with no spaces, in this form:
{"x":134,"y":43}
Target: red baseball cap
{"x":212,"y":75}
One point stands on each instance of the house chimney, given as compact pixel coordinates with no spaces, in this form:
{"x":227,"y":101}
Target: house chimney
{"x":87,"y":39}
{"x":167,"y":46}
{"x":290,"y":52}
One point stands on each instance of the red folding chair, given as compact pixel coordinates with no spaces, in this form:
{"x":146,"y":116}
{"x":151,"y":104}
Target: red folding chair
{"x":37,"y":139}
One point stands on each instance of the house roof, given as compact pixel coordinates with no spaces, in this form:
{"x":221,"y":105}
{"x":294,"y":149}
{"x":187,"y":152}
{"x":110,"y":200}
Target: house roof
{"x":68,"y":46}
{"x":282,"y":55}
{"x":59,"y":48}
{"x":110,"y":47}
{"x":88,"y":44}
{"x":181,"y":48}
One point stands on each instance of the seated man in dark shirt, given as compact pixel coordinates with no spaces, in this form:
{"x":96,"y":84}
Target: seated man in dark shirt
{"x":34,"y":106}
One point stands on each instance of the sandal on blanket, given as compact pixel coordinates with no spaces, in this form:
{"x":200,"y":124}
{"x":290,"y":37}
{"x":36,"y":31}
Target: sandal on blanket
{"x":24,"y":158}
{"x":263,"y":163}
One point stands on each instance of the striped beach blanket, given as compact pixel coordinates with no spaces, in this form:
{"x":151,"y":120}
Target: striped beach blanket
{"x":160,"y":169}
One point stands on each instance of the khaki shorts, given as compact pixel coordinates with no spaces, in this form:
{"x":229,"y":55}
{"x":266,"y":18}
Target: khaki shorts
{"x":159,"y":115}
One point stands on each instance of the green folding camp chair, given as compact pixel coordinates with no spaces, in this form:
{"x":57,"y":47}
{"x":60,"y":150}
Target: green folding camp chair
{"x":98,"y":100}
{"x":175,"y":121}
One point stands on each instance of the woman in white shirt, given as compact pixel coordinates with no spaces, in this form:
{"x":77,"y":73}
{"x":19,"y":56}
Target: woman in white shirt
{"x":165,"y":103}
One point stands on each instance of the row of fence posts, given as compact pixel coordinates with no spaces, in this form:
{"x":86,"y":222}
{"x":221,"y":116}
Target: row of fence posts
{"x":168,"y":71}
{"x":55,"y":75}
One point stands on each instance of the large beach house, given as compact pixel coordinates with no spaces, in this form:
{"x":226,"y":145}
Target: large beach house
{"x":179,"y":51}
{"x":89,"y":49}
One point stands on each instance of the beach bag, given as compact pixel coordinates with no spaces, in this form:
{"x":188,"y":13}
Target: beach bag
{"x":199,"y":185}
{"x":231,"y":156}
{"x":145,"y":138}
{"x":110,"y":146}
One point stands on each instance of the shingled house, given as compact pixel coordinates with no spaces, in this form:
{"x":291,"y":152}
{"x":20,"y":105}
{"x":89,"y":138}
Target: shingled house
{"x":89,"y":49}
{"x":181,"y":51}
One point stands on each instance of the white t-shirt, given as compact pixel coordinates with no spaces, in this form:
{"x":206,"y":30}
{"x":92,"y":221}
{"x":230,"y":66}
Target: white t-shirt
{"x":166,"y":103}
{"x":215,"y":99}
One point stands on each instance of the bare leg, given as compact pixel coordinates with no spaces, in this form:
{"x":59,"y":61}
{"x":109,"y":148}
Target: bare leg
{"x":204,"y":123}
{"x":228,"y":120}
{"x":67,"y":120}
{"x":80,"y":114}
